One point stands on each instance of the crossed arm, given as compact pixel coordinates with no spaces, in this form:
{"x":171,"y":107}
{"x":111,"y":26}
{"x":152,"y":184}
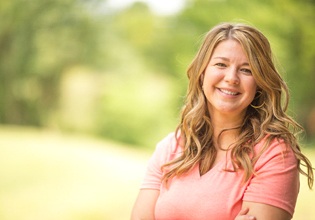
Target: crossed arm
{"x":260,"y":211}
{"x":145,"y":203}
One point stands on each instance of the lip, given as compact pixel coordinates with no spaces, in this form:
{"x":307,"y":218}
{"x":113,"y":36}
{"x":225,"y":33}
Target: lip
{"x":229,"y":92}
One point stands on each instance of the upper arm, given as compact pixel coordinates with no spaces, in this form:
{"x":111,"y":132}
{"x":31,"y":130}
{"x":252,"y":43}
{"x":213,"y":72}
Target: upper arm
{"x":266,"y":212}
{"x":145,"y":204}
{"x":275,"y":185}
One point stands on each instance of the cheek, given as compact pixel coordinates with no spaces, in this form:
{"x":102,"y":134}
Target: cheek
{"x":211,"y":77}
{"x":208,"y":84}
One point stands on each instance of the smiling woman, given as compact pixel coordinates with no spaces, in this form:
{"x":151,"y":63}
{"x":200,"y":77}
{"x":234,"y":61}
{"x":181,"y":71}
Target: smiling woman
{"x":233,"y":155}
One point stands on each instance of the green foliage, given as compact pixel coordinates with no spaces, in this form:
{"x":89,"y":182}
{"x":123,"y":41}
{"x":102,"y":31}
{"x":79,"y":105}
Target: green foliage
{"x":136,"y":103}
{"x":134,"y":62}
{"x":38,"y":40}
{"x":138,"y":112}
{"x":136,"y":25}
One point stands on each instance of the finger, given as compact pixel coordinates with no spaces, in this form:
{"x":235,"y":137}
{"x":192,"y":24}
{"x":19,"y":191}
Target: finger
{"x":244,"y":211}
{"x":242,"y":215}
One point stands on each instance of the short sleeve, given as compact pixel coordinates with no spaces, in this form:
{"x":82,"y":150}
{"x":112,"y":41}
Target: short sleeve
{"x":164,"y":152}
{"x":276,"y":181}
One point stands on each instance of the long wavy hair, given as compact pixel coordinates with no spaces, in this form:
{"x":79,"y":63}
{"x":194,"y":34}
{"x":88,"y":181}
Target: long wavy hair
{"x":265,"y":117}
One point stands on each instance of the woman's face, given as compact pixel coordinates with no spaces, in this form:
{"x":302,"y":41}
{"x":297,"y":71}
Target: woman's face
{"x":228,"y":83}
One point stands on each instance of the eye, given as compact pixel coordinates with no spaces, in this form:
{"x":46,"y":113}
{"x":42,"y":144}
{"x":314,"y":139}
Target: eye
{"x":220,"y":65}
{"x":246,"y":71}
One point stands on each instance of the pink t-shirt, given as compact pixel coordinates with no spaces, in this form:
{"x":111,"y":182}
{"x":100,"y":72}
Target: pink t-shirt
{"x":218,"y":194}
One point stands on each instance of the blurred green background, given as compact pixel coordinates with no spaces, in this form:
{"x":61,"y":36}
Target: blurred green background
{"x":87,"y":89}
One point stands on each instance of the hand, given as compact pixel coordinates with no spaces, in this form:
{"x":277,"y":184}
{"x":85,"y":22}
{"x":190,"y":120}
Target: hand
{"x":242,"y":215}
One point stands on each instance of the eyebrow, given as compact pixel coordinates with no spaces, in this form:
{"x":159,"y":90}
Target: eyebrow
{"x":226,"y":59}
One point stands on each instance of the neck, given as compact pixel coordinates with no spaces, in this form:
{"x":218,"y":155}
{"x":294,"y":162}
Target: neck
{"x":226,"y":129}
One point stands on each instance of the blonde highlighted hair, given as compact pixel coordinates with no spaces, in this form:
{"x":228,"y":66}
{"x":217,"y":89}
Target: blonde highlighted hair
{"x":268,"y":119}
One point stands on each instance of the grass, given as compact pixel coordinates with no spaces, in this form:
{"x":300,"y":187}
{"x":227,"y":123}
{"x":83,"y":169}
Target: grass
{"x":46,"y":175}
{"x":51,"y":176}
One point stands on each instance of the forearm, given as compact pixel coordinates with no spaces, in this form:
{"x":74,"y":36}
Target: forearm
{"x":265,"y":212}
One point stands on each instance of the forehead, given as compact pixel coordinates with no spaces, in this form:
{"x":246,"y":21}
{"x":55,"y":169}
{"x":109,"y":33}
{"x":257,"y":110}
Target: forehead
{"x":229,"y":49}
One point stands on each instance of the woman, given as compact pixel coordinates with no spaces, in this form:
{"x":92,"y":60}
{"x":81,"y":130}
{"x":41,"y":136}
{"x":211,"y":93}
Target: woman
{"x":234,"y":154}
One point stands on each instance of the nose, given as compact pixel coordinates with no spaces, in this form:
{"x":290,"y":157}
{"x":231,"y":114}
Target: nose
{"x":231,"y":76}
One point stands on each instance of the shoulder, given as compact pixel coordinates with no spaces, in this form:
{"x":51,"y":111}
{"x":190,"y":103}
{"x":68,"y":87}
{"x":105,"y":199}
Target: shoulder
{"x":276,"y":177}
{"x":168,"y":141}
{"x":274,"y":149}
{"x":165,"y":150}
{"x":169,"y":144}
{"x":168,"y":148}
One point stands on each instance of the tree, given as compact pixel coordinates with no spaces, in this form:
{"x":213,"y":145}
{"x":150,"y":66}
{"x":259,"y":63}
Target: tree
{"x":38,"y":40}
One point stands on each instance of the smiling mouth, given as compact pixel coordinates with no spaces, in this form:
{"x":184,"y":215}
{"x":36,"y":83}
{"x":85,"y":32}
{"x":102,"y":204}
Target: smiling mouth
{"x":228,"y":92}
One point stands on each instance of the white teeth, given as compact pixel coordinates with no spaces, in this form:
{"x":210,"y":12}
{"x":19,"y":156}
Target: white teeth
{"x":228,"y":92}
